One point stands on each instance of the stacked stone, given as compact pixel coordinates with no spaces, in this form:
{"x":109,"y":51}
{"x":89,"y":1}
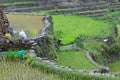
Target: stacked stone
{"x":4,"y":23}
{"x":91,"y":1}
{"x":45,"y":41}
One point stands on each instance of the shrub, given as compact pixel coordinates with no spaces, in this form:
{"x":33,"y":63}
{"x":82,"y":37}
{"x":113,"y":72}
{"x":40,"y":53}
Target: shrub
{"x":58,"y":34}
{"x":80,"y":41}
{"x":15,"y":55}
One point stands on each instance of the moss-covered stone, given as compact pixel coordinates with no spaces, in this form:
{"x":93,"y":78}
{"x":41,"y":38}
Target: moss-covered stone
{"x":45,"y":41}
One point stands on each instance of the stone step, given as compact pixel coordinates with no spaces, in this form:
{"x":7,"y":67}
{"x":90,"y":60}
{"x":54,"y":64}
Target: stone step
{"x":32,"y":47}
{"x":32,"y":53}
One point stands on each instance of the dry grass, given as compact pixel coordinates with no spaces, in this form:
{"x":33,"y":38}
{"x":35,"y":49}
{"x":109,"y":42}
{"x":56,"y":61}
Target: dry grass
{"x":118,"y":26}
{"x":18,"y":71}
{"x":31,"y":24}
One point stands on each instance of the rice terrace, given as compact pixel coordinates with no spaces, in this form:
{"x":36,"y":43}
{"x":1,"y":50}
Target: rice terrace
{"x":60,"y":39}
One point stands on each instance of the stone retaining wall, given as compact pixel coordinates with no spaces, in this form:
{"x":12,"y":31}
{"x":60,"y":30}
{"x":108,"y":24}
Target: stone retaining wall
{"x":9,"y":1}
{"x":42,"y":44}
{"x":41,"y":6}
{"x":78,"y":8}
{"x":45,"y":40}
{"x":4,"y":24}
{"x":56,"y":67}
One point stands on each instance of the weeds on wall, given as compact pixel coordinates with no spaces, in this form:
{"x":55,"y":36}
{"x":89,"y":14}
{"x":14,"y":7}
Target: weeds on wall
{"x":67,"y":75}
{"x":58,"y":34}
{"x":80,"y":41}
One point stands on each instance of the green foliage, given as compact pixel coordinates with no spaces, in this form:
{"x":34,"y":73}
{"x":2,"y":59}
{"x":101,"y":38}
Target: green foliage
{"x":80,"y":41}
{"x":15,"y":2}
{"x":118,"y":27}
{"x":66,"y":75}
{"x":73,"y":26}
{"x":58,"y":34}
{"x":75,"y":59}
{"x":112,"y":17}
{"x":114,"y":66}
{"x":29,"y":60}
{"x":14,"y":55}
{"x":113,"y":49}
{"x":94,"y":46}
{"x":38,"y":51}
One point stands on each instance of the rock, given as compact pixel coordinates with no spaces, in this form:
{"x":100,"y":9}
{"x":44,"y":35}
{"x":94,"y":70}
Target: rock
{"x":39,"y":59}
{"x":34,"y":44}
{"x":31,"y":42}
{"x":102,"y":70}
{"x":105,"y":70}
{"x":32,"y":53}
{"x":10,"y":30}
{"x":91,"y":73}
{"x":97,"y":74}
{"x":113,"y":75}
{"x":33,"y":47}
{"x":80,"y":71}
{"x":107,"y":75}
{"x":96,"y":71}
{"x":70,"y":69}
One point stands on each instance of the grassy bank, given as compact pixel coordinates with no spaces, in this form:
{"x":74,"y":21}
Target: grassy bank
{"x":118,"y":26}
{"x":112,"y":17}
{"x":115,"y":66}
{"x":67,"y":75}
{"x":94,"y":46}
{"x":17,"y":3}
{"x":75,"y":59}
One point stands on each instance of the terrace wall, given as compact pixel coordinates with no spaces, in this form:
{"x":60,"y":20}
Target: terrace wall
{"x":87,"y":9}
{"x":45,"y":40}
{"x":42,"y":44}
{"x":4,"y":23}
